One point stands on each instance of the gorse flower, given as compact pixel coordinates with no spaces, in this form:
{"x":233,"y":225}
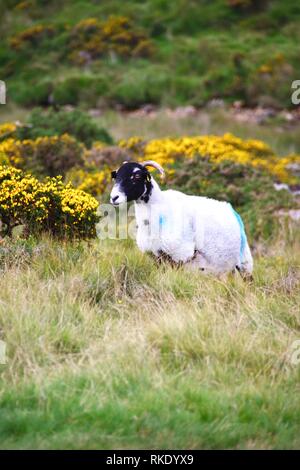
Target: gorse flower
{"x":7,"y":129}
{"x":51,"y":156}
{"x":92,"y":39}
{"x":45,"y":206}
{"x":70,"y":210}
{"x":215,"y":148}
{"x":90,"y":179}
{"x":31,"y":36}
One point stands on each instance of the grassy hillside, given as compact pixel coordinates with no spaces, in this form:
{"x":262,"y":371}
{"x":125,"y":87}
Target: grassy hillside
{"x":108,"y":351}
{"x":131,"y":53}
{"x":106,"y":348}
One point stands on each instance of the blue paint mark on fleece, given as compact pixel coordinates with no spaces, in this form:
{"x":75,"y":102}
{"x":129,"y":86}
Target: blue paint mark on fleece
{"x":242,"y":230}
{"x":162,"y":221}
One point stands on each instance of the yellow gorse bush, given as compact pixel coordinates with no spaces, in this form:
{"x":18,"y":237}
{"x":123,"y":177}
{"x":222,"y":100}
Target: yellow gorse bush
{"x":63,"y":155}
{"x":45,"y":206}
{"x":215,"y":148}
{"x":92,"y":38}
{"x":90,"y":179}
{"x":31,"y":35}
{"x":169,"y":151}
{"x":7,"y":129}
{"x":46,"y":155}
{"x":23,"y":5}
{"x":11,"y":149}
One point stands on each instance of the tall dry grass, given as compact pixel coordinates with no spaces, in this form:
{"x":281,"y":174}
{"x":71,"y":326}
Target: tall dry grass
{"x":105,"y":349}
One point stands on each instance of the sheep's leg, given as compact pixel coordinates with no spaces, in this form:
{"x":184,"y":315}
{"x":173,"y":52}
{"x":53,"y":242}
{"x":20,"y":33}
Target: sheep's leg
{"x":164,"y":258}
{"x":199,"y":263}
{"x":244,"y":275}
{"x":246,"y":267}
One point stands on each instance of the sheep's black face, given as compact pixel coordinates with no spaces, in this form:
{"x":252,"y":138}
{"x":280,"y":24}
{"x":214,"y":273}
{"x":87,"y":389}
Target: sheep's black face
{"x":132,"y":182}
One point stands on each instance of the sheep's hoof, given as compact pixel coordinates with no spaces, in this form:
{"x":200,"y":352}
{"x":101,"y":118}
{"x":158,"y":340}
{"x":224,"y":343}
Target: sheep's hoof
{"x":247,"y":277}
{"x":164,"y":258}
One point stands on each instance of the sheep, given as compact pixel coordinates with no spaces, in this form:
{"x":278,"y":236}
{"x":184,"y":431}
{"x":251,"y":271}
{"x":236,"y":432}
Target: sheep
{"x":194,"y":231}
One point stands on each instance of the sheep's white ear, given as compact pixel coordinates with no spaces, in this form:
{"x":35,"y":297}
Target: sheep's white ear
{"x":154,"y":165}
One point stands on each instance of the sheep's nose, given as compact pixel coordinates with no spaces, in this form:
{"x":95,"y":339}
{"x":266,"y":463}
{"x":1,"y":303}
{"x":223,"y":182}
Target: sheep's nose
{"x":114,"y":199}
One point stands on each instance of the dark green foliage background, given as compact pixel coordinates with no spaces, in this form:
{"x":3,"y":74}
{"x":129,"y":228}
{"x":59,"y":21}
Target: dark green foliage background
{"x":203,"y":50}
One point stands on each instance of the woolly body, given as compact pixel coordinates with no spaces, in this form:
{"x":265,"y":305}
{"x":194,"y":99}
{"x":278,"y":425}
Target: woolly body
{"x":201,"y":232}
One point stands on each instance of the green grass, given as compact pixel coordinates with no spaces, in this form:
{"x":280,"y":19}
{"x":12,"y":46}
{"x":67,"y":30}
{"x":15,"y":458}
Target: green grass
{"x":106,"y":350}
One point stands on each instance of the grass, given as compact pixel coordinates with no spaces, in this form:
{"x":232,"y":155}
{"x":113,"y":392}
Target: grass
{"x":107,"y":350}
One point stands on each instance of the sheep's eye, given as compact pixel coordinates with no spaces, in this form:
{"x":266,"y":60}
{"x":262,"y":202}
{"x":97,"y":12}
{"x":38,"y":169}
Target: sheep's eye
{"x":113,"y":174}
{"x":136,"y":176}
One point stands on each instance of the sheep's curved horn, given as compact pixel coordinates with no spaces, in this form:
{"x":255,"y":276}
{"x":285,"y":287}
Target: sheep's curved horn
{"x":154,"y":165}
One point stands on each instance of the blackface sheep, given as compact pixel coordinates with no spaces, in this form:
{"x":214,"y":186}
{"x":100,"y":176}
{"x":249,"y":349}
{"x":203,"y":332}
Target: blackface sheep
{"x":196,"y":231}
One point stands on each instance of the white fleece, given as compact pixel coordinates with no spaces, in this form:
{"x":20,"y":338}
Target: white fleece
{"x":201,"y":232}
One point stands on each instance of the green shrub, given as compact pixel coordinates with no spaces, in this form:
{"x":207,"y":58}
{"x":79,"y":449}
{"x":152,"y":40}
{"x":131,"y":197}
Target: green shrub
{"x":81,"y":90}
{"x":186,"y":90}
{"x":273,"y":76}
{"x":194,"y":41}
{"x":75,"y":123}
{"x":31,"y":93}
{"x":141,"y":86}
{"x":44,"y":156}
{"x":70,"y":90}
